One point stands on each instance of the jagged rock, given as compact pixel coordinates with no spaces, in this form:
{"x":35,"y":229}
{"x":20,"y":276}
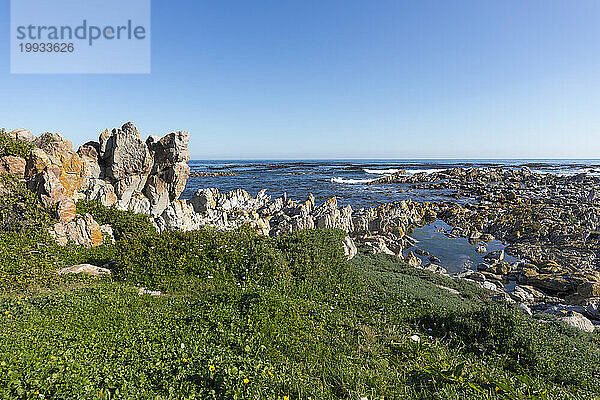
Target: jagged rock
{"x":101,"y":191}
{"x":66,"y":209}
{"x":138,"y":203}
{"x":412,"y":260}
{"x":59,"y":153}
{"x":166,"y":186}
{"x":86,"y":269}
{"x":170,"y":150}
{"x":124,"y":153}
{"x":151,"y":141}
{"x":180,"y":215}
{"x":329,"y":216}
{"x":89,"y":153}
{"x":84,"y":231}
{"x":349,"y":248}
{"x":22,"y":134}
{"x":170,"y":170}
{"x":13,"y":165}
{"x":125,"y":189}
{"x":260,"y":226}
{"x":48,"y":186}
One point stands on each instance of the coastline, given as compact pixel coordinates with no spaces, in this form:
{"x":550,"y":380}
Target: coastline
{"x":107,"y":231}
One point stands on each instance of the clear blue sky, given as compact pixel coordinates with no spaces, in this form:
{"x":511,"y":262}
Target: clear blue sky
{"x":337,"y":79}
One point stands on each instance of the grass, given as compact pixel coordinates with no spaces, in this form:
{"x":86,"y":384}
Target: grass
{"x":249,"y":317}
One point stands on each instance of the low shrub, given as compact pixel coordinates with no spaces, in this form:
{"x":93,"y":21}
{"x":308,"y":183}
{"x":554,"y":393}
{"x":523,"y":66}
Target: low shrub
{"x":20,"y":209}
{"x":561,"y":354}
{"x":14,"y":147}
{"x":125,"y":224}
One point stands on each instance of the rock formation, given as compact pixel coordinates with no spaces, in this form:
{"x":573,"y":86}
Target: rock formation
{"x":550,"y":223}
{"x":120,"y":169}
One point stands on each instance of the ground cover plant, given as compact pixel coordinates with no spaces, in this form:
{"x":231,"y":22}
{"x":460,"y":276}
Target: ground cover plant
{"x":243,"y":316}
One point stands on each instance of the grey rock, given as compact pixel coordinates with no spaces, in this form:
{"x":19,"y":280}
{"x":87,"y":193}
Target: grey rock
{"x":349,"y":248}
{"x":86,"y":269}
{"x":124,"y":153}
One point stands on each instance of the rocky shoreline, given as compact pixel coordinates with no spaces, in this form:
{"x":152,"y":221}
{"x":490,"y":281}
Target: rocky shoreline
{"x":550,"y":223}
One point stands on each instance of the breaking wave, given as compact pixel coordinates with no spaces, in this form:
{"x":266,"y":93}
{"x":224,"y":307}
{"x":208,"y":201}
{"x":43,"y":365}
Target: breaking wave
{"x":351,"y":181}
{"x":381,"y":171}
{"x":427,"y":171}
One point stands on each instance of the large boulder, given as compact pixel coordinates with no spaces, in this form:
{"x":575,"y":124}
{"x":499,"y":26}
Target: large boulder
{"x":170,"y":149}
{"x":13,"y":165}
{"x":84,"y":231}
{"x":165,"y":186}
{"x":90,"y":155}
{"x":124,"y":153}
{"x":86,"y":269}
{"x":66,"y":209}
{"x":48,"y":186}
{"x":180,"y":215}
{"x":101,"y":191}
{"x":350,"y":249}
{"x":577,"y":320}
{"x":22,"y":134}
{"x":59,"y":152}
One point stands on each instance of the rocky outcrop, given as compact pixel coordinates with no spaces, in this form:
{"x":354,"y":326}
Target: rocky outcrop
{"x":13,"y":165}
{"x":22,"y":134}
{"x":133,"y":174}
{"x":58,"y":158}
{"x":83,"y":231}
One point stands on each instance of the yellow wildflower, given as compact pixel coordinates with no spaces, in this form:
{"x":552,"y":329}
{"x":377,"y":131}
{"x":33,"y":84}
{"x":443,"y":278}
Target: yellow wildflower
{"x":211,"y":368}
{"x":6,"y":312}
{"x":286,"y":397}
{"x":185,"y":360}
{"x":246,"y":380}
{"x":270,"y":373}
{"x":52,"y":357}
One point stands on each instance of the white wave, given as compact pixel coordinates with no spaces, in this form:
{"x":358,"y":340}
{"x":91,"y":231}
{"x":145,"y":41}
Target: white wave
{"x":427,"y":171}
{"x":568,"y":171}
{"x":381,"y":171}
{"x":351,"y":181}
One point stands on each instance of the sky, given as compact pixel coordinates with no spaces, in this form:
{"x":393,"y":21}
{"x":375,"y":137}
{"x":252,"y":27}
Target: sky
{"x":341,"y":79}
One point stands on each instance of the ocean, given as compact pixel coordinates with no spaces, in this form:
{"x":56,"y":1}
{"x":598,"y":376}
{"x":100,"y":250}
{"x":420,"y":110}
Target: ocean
{"x":347,"y":179}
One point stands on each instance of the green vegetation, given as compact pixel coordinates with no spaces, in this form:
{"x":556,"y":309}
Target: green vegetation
{"x":13,"y":147}
{"x":248,"y":317}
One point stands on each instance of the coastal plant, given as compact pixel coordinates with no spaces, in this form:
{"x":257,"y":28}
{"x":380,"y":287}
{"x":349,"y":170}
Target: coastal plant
{"x":20,"y":209}
{"x":14,"y":147}
{"x":125,"y":224}
{"x":241,"y":316}
{"x":520,"y":343}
